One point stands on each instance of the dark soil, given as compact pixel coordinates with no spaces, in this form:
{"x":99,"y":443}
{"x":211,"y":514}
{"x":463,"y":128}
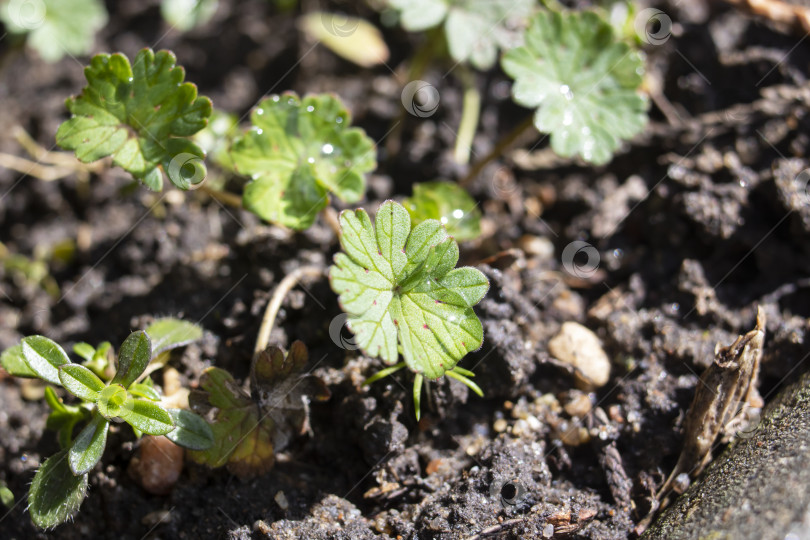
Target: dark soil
{"x":696,"y":223}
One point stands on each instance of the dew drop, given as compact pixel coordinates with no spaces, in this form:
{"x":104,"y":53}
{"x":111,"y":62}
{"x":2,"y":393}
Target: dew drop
{"x":458,"y":213}
{"x":339,"y":120}
{"x":259,"y":131}
{"x":276,"y":99}
{"x":327,"y":148}
{"x":444,"y":220}
{"x":310,"y":108}
{"x":259,"y":111}
{"x":566,"y":91}
{"x":310,"y":160}
{"x":568,"y":118}
{"x":291,"y":101}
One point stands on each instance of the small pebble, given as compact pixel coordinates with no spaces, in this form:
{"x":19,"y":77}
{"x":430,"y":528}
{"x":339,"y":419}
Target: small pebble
{"x":500,"y":425}
{"x":579,"y":347}
{"x":158,"y":464}
{"x":281,"y":500}
{"x":579,"y":405}
{"x":548,"y":530}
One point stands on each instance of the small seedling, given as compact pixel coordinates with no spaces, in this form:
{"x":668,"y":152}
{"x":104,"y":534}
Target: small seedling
{"x":296,"y":153}
{"x":448,"y":203}
{"x":583,"y":81}
{"x":142,"y":115}
{"x":55,"y":28}
{"x":60,"y":484}
{"x":404,"y":295}
{"x":249,"y":428}
{"x":474,"y":29}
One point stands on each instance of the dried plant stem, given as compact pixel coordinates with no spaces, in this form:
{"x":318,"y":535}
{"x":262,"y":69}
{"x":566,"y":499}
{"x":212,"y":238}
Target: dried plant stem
{"x":286,"y":285}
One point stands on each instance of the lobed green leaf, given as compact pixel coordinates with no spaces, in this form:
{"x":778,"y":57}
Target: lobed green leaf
{"x":400,"y":289}
{"x":448,"y":203}
{"x":141,"y":115}
{"x":296,"y":153}
{"x":583,"y":81}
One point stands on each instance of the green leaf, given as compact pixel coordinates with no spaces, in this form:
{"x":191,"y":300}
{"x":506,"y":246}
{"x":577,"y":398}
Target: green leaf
{"x":80,"y":381}
{"x":144,"y":391}
{"x":111,"y":401}
{"x":133,"y":357}
{"x":88,"y":447}
{"x":448,"y":203}
{"x":147,"y":416}
{"x":475,"y":29}
{"x":191,"y":431}
{"x":44,"y":357}
{"x":399,"y":287}
{"x":85,"y":350}
{"x":243,"y":437}
{"x":583,"y":82}
{"x":13,"y":361}
{"x":56,"y":494}
{"x":140,"y":115}
{"x":6,"y":496}
{"x":296,"y":153}
{"x":185,"y":15}
{"x":169,"y":333}
{"x":63,"y":418}
{"x":55,"y":28}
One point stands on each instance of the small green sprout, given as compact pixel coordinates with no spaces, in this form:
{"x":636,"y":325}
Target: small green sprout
{"x":583,"y":81}
{"x":60,"y":484}
{"x":448,"y":203}
{"x":250,"y":427}
{"x":142,"y":115}
{"x":403,"y":294}
{"x":296,"y":153}
{"x":55,"y":28}
{"x":474,"y":29}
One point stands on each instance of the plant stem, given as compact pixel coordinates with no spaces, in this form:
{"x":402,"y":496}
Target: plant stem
{"x":224,"y":197}
{"x":471,"y":109}
{"x":331,"y":219}
{"x":496,"y":152}
{"x":286,"y":285}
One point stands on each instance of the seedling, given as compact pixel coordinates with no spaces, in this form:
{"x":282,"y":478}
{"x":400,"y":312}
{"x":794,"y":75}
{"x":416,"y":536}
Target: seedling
{"x":404,"y":295}
{"x":142,"y":115}
{"x":448,"y":203}
{"x":296,"y":153}
{"x":583,"y":82}
{"x":60,"y":484}
{"x":55,"y":28}
{"x":474,"y":29}
{"x":249,"y":428}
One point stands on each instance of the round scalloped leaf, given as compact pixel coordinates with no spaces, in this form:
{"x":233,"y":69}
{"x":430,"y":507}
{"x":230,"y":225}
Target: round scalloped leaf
{"x":448,"y":203}
{"x":400,"y":287}
{"x":583,"y":82}
{"x":474,"y":29}
{"x":140,"y":115}
{"x":297,"y":152}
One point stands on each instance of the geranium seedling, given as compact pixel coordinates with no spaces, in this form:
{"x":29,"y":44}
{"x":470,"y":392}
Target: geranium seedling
{"x":142,"y":115}
{"x":583,"y":81}
{"x":403,"y":294}
{"x":296,"y":153}
{"x":448,"y":203}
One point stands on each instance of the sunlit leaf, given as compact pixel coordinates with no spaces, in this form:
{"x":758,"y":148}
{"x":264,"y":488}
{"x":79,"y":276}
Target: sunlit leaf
{"x":80,"y":381}
{"x":89,"y":445}
{"x":190,"y":430}
{"x":169,"y":333}
{"x":44,"y":356}
{"x":13,"y":361}
{"x":448,"y":203}
{"x":133,"y":357}
{"x":583,"y":81}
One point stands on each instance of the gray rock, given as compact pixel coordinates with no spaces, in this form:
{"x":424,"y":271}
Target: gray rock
{"x":759,"y":488}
